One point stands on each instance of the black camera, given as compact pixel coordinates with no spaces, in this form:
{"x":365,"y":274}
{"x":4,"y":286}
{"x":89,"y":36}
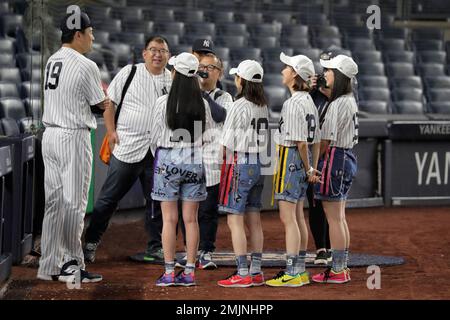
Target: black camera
{"x":203,"y":74}
{"x":321,"y":81}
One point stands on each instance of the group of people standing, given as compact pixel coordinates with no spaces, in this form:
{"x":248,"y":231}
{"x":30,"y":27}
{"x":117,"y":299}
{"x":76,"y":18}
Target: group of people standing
{"x":196,"y":149}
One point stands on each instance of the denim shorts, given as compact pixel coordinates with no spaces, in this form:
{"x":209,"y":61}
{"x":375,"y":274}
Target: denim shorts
{"x":289,"y":182}
{"x":178,"y":174}
{"x":338,"y":168}
{"x":241,"y":184}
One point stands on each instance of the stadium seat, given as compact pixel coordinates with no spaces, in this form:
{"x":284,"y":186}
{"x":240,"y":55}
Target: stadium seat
{"x":409,"y":107}
{"x":297,"y":43}
{"x":325,"y":32}
{"x":8,"y":90}
{"x":7,"y":60}
{"x":128,"y":13}
{"x":10,"y":74}
{"x":111,"y":25}
{"x":428,"y":45}
{"x":99,"y":13}
{"x":285,"y":18}
{"x":240,"y":54}
{"x":7,"y":46}
{"x":33,"y":108}
{"x":265,"y":30}
{"x":376,"y":94}
{"x":273,"y":79}
{"x":170,"y":28}
{"x":360,"y":44}
{"x":407,"y":82}
{"x":346,"y":20}
{"x":97,"y":57}
{"x":439,"y":82}
{"x":375,"y":107}
{"x":105,"y":76}
{"x":9,"y":23}
{"x":312,"y":53}
{"x":439,"y":95}
{"x":132,"y":38}
{"x":432,"y":57}
{"x":204,"y":27}
{"x":4,"y":8}
{"x":172,"y":39}
{"x":400,"y":69}
{"x":235,"y":29}
{"x":249,"y":17}
{"x":431,"y":69}
{"x":33,"y":75}
{"x":427,"y":34}
{"x":189,"y":16}
{"x":232,"y":41}
{"x":101,"y":37}
{"x":265,"y":42}
{"x":392,"y":33}
{"x":30,"y":90}
{"x":12,"y":108}
{"x":221,"y":16}
{"x":299,"y":31}
{"x":121,"y":53}
{"x":29,"y":60}
{"x":222,"y":53}
{"x":324,"y":43}
{"x":276,"y":96}
{"x":274,"y":53}
{"x":367,"y":56}
{"x":10,"y":127}
{"x":273,"y":66}
{"x":412,"y":94}
{"x":357,"y":32}
{"x":181,"y":48}
{"x":160,"y":14}
{"x":146,"y":27}
{"x":373,"y":81}
{"x":440,"y":107}
{"x":392,"y":45}
{"x":399,"y":56}
{"x":371,"y":69}
{"x":313,"y":19}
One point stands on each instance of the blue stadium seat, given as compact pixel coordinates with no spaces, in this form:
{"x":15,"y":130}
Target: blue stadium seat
{"x":8,"y":90}
{"x":105,"y":76}
{"x":324,"y":43}
{"x":111,"y":25}
{"x":438,"y":82}
{"x":371,"y":69}
{"x":132,"y":38}
{"x":431,"y":69}
{"x":265,"y":42}
{"x":160,"y":14}
{"x":7,"y":60}
{"x":392,"y":33}
{"x":98,"y":13}
{"x":128,"y":13}
{"x":232,"y":41}
{"x":170,"y":28}
{"x":12,"y":108}
{"x":10,"y":74}
{"x":190,"y":16}
{"x":235,"y":29}
{"x":240,"y":54}
{"x":97,"y":57}
{"x":375,"y":107}
{"x":33,"y":75}
{"x":204,"y":27}
{"x":10,"y":127}
{"x":392,"y":45}
{"x":427,"y":34}
{"x":222,"y":52}
{"x":33,"y":108}
{"x":375,"y":94}
{"x":299,"y":31}
{"x":295,"y":42}
{"x":399,"y":56}
{"x":428,"y":45}
{"x":9,"y":24}
{"x":373,"y":81}
{"x":220,"y":16}
{"x":274,"y":53}
{"x":7,"y":46}
{"x":273,"y":79}
{"x":439,"y":95}
{"x":172,"y":39}
{"x":440,"y":107}
{"x":249,"y":17}
{"x":147,"y":27}
{"x":276,"y":96}
{"x":406,"y":82}
{"x":409,"y":107}
{"x":285,"y":18}
{"x":411,"y":94}
{"x":265,"y":30}
{"x":367,"y":56}
{"x":400,"y":69}
{"x":432,"y":57}
{"x":312,"y":53}
{"x":361,"y":44}
{"x":273,"y":66}
{"x":101,"y":37}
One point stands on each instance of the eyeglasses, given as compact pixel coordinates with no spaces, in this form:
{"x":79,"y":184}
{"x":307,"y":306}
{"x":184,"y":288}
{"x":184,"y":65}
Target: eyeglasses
{"x":155,"y":51}
{"x":209,"y":67}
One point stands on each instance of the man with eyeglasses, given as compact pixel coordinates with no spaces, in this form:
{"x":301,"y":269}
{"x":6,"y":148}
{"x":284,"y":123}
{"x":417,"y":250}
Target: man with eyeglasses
{"x":132,"y":157}
{"x":211,"y":71}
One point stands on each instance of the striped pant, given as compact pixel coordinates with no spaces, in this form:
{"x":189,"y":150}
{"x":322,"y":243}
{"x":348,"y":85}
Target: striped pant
{"x":67,"y":158}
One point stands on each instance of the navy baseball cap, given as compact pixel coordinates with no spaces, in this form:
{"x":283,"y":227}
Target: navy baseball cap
{"x":68,"y":23}
{"x":203,"y":45}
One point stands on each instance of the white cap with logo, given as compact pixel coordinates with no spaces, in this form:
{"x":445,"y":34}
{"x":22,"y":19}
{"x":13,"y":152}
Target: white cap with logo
{"x":343,"y":63}
{"x":249,"y":70}
{"x":301,"y":64}
{"x":185,"y":63}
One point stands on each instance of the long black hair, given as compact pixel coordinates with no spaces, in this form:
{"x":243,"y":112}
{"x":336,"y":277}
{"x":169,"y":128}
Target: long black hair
{"x":342,"y":85}
{"x":185,"y":105}
{"x":253,"y":92}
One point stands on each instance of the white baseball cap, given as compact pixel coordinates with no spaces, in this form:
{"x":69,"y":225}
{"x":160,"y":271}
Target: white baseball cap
{"x":343,"y":63}
{"x":301,"y":64}
{"x":249,"y":70}
{"x":185,"y":63}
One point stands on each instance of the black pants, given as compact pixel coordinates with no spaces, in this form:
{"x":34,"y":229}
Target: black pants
{"x":121,"y":177}
{"x":208,"y":217}
{"x":318,"y":221}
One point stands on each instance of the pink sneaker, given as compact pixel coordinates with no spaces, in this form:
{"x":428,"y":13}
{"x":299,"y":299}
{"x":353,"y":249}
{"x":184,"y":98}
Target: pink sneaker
{"x":258,"y":279}
{"x":329,"y":276}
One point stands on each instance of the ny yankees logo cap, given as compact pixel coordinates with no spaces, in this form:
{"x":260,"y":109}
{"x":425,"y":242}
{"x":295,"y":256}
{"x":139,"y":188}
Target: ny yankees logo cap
{"x":301,"y":64}
{"x":203,"y":45}
{"x":185,"y":63}
{"x":343,"y":63}
{"x":249,"y":70}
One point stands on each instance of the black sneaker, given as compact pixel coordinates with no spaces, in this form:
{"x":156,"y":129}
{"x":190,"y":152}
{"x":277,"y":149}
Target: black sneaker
{"x":323,"y":257}
{"x":89,"y":251}
{"x":69,"y":274}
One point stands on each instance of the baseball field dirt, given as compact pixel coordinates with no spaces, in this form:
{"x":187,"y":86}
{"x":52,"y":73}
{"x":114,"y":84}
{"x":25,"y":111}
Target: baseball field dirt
{"x":420,"y":235}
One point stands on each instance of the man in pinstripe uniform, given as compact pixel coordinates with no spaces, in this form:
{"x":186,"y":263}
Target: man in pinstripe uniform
{"x":72,"y":84}
{"x":130,"y":141}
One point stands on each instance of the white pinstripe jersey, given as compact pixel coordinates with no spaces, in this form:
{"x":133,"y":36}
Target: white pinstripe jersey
{"x":72,"y":84}
{"x":341,"y":122}
{"x":299,"y":121}
{"x":246,"y":127}
{"x":133,"y":125}
{"x":162,"y":136}
{"x":212,"y":152}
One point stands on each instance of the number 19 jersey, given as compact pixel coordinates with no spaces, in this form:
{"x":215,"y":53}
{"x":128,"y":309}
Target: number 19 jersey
{"x":299,"y":121}
{"x":246,"y":128}
{"x":72,"y":84}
